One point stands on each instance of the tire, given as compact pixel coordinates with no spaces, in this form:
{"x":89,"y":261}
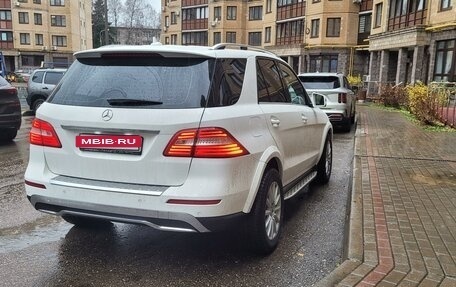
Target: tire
{"x":346,"y":127}
{"x":8,"y":135}
{"x":37,"y":103}
{"x":265,"y":223}
{"x":324,"y":166}
{"x":86,"y":222}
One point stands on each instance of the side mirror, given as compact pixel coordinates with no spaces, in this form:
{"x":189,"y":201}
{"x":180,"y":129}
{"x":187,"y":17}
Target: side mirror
{"x":318,"y":99}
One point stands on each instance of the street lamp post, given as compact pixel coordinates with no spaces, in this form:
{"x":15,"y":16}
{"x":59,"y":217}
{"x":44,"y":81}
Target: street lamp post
{"x":101,"y":39}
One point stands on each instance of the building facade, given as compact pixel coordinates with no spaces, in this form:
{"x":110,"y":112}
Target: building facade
{"x":316,"y":35}
{"x":412,"y":40}
{"x":36,"y":32}
{"x":386,"y":41}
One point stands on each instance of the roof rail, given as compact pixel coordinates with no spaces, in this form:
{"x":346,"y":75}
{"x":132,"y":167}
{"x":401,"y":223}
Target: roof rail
{"x":223,"y":46}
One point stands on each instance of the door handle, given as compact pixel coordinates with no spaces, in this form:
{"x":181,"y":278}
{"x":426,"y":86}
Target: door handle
{"x":304,"y":119}
{"x":275,"y":122}
{"x":45,"y":88}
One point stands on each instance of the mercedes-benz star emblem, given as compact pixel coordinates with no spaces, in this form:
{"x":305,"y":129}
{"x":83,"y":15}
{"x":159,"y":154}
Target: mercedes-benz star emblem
{"x":107,"y":115}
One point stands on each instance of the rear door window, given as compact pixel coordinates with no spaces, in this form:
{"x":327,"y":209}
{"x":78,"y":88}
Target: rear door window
{"x":293,"y":85}
{"x":141,"y":81}
{"x":270,"y":88}
{"x":38,"y":77}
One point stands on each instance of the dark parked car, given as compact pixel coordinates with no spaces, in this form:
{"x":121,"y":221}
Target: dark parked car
{"x":10,"y":111}
{"x":41,"y":84}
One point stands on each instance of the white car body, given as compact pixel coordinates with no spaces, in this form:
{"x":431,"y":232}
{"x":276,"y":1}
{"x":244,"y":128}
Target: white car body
{"x":325,"y":90}
{"x":187,"y":194}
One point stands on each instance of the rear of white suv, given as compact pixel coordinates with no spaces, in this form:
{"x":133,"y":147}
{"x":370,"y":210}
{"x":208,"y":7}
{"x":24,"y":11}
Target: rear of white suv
{"x":190,"y":139}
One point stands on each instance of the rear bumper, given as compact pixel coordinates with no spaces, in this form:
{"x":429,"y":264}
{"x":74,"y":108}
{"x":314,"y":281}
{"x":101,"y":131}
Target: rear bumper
{"x":160,"y":220}
{"x":12,"y":121}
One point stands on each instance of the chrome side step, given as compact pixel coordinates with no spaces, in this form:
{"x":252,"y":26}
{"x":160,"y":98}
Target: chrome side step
{"x":300,"y":185}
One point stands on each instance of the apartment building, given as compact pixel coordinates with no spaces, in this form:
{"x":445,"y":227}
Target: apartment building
{"x":33,"y":32}
{"x":412,"y":40}
{"x":386,"y":41}
{"x":315,"y":35}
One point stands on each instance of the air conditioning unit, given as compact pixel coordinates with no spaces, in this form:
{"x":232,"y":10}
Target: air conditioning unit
{"x":215,"y":22}
{"x":17,"y":4}
{"x":54,"y":48}
{"x":357,"y":1}
{"x":165,"y":29}
{"x":44,"y":48}
{"x":366,"y":78}
{"x":163,"y":9}
{"x":178,"y":13}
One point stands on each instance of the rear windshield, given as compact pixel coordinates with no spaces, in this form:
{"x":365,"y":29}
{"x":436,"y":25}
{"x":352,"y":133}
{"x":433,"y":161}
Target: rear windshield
{"x":52,"y":78}
{"x":320,"y":82}
{"x":148,"y":82}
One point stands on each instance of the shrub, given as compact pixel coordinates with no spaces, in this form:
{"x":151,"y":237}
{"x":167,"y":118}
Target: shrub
{"x":424,"y":102}
{"x":393,"y":96}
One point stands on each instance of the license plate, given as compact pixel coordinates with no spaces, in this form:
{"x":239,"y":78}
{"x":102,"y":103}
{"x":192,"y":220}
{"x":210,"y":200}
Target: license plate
{"x":124,"y":144}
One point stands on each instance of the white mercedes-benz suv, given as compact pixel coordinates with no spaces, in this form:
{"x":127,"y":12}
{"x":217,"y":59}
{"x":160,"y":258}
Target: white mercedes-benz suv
{"x":178,"y":138}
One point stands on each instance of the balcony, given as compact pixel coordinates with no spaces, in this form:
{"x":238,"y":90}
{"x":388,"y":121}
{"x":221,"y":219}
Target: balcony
{"x":194,"y":24}
{"x":291,"y":11}
{"x":407,"y":20}
{"x":188,"y":3}
{"x":5,"y":4}
{"x":366,"y":5}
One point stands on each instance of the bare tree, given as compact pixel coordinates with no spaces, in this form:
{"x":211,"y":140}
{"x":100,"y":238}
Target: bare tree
{"x":115,"y":10}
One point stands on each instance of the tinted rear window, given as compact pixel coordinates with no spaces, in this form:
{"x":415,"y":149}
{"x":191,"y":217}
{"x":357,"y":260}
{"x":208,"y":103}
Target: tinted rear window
{"x":320,"y":82}
{"x":173,"y":82}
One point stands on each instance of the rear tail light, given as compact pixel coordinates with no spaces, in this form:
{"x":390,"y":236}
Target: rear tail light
{"x":42,"y":133}
{"x":342,"y":98}
{"x":204,"y":143}
{"x":34,"y":184}
{"x":11,"y":91}
{"x":194,"y":202}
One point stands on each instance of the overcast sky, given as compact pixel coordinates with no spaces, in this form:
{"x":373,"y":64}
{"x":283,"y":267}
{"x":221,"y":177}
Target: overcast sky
{"x":156,"y":4}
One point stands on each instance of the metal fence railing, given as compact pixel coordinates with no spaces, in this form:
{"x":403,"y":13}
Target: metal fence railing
{"x":446,"y":93}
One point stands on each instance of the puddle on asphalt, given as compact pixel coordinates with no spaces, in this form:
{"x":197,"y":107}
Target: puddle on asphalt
{"x":44,"y":229}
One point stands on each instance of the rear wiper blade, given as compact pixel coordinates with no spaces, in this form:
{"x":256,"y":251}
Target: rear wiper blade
{"x":132,"y":102}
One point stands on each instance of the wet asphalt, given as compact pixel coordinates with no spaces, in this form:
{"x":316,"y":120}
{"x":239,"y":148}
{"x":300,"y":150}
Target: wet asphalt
{"x":37,"y":249}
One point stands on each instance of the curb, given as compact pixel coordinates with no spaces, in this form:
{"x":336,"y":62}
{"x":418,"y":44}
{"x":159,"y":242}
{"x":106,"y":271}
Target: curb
{"x":353,"y":241}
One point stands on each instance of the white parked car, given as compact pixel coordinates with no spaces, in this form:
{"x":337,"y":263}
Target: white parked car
{"x":178,"y":138}
{"x":332,"y":93}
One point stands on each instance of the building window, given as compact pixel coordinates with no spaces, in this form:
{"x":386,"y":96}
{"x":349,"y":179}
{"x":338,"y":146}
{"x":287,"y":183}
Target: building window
{"x":445,"y":61}
{"x":256,"y":13}
{"x":167,"y":21}
{"x":445,"y":5}
{"x":173,"y":18}
{"x":60,"y":41}
{"x":58,"y":20}
{"x":194,"y":38}
{"x":231,"y":12}
{"x":267,"y":35}
{"x":364,"y":23}
{"x":57,"y":2}
{"x":378,"y":15}
{"x":333,"y":27}
{"x":316,"y":1}
{"x":217,"y":37}
{"x":24,"y":38}
{"x":315,"y":28}
{"x":291,"y":32}
{"x":38,"y":19}
{"x":23,"y":18}
{"x":22,"y":1}
{"x":195,"y":13}
{"x":255,"y":38}
{"x":5,"y":15}
{"x":218,"y":13}
{"x":6,"y":36}
{"x":36,"y":1}
{"x":166,"y":40}
{"x":323,"y":63}
{"x":231,"y":37}
{"x":174,"y":39}
{"x":39,"y":39}
{"x":268,"y":6}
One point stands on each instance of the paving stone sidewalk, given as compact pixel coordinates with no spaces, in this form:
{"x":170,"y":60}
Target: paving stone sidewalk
{"x":402,"y":229}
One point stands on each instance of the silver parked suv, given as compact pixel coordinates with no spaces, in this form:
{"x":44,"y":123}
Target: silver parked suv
{"x":178,"y":138}
{"x":41,"y":84}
